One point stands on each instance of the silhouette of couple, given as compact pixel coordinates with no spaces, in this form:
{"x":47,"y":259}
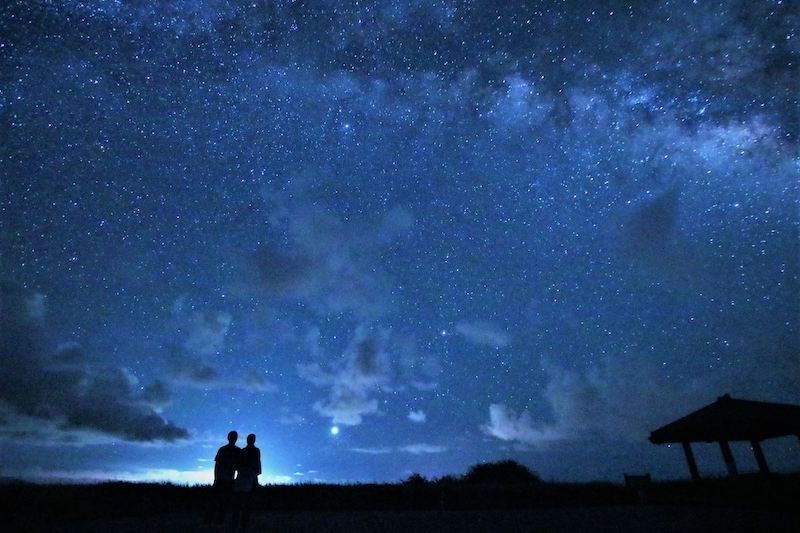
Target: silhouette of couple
{"x":236,"y":472}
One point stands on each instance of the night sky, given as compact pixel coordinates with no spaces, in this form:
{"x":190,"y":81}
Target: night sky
{"x":393,"y":237}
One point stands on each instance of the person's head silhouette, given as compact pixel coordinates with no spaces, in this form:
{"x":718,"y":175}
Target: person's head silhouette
{"x":232,"y":437}
{"x":251,"y":439}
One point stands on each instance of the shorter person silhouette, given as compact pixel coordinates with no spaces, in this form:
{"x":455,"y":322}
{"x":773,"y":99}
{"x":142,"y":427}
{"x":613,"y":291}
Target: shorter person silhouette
{"x":248,"y":470}
{"x":225,"y":464}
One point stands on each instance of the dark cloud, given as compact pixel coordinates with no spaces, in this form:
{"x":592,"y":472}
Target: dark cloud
{"x":198,"y":335}
{"x":190,"y":369}
{"x":203,"y":333}
{"x":651,"y":238}
{"x":653,"y":222}
{"x":418,"y":367}
{"x":284,"y":273}
{"x":35,"y":305}
{"x":330,"y":265}
{"x":196,"y":357}
{"x":111,"y":404}
{"x":50,"y":387}
{"x":157,"y":394}
{"x":257,"y":381}
{"x":70,"y":353}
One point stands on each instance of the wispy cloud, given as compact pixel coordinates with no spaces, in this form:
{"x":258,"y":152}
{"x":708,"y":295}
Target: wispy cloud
{"x":422,"y":448}
{"x":417,"y":416}
{"x":505,"y":425}
{"x":415,"y":449}
{"x":372,"y":451}
{"x":484,"y":332}
{"x":363,"y":369}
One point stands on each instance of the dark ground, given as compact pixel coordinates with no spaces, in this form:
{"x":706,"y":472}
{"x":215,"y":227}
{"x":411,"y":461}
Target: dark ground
{"x":748,"y":504}
{"x":600,"y":519}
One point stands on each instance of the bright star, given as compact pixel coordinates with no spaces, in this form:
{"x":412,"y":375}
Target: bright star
{"x":334,"y":430}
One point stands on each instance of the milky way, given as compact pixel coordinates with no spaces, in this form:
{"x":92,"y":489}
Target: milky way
{"x":393,"y":237}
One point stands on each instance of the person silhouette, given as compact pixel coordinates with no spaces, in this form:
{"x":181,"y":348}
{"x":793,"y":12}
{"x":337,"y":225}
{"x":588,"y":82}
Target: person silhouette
{"x":225,"y":464}
{"x":248,"y":470}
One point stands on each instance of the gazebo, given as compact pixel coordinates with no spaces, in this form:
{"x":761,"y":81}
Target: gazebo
{"x":729,"y":419}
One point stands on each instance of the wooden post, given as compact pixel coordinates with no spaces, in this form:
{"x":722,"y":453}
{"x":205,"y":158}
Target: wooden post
{"x":760,"y":459}
{"x":687,"y":450}
{"x":728,"y":456}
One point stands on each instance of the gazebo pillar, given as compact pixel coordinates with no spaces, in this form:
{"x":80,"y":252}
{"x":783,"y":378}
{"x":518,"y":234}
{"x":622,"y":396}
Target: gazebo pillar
{"x":728,"y":456}
{"x":687,"y":450}
{"x":760,"y":459}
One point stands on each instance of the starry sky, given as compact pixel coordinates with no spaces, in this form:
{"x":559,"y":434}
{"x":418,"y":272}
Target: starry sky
{"x":393,"y":237}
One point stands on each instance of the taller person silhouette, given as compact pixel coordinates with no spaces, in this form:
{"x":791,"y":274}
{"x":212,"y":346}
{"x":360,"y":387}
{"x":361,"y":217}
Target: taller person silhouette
{"x":225,"y":464}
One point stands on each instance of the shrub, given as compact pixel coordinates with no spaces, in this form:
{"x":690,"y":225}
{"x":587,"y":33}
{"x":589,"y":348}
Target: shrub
{"x":415,"y":479}
{"x":501,"y":473}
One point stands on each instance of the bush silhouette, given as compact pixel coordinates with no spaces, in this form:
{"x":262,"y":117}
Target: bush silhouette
{"x":501,"y":473}
{"x":415,"y":479}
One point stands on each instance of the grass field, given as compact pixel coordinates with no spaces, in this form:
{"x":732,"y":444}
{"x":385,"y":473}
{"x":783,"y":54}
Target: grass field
{"x":601,"y":519}
{"x":751,"y":504}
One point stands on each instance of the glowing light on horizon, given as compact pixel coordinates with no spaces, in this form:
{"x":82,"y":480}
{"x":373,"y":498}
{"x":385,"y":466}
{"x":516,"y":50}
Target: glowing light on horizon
{"x":203,"y":476}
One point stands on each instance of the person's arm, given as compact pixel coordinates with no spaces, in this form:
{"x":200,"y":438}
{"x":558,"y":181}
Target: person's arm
{"x":258,"y":458}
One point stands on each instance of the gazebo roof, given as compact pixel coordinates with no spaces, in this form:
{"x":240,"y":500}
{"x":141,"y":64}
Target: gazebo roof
{"x":730,"y":419}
